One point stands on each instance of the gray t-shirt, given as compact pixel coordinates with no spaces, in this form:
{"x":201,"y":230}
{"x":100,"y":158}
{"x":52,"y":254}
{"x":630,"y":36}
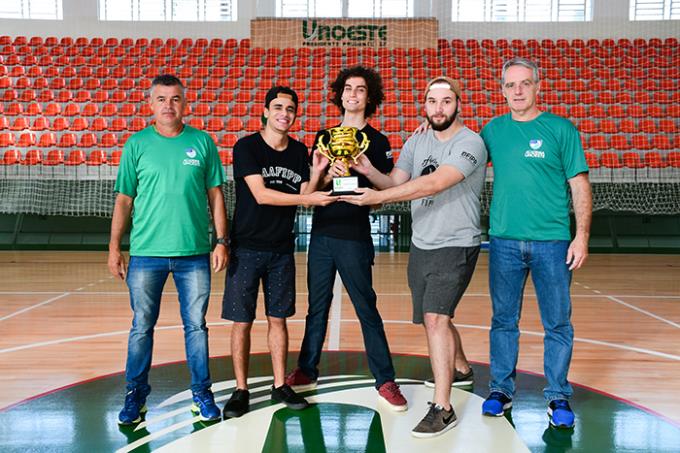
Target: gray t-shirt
{"x":449,"y":218}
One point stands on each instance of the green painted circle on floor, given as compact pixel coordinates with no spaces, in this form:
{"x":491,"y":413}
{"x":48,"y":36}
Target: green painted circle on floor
{"x":83,"y":418}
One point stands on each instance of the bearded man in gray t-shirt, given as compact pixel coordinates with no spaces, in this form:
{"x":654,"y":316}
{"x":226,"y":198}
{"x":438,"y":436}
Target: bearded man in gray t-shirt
{"x":442,"y":171}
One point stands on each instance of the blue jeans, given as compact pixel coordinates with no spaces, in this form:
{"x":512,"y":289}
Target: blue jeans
{"x":354,"y":261}
{"x":510,"y":262}
{"x":145,"y":278}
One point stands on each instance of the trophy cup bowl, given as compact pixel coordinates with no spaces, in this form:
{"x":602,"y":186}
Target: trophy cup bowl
{"x":343,"y":143}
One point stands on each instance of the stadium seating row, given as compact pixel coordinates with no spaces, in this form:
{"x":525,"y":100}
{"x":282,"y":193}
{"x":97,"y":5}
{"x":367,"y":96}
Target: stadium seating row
{"x":99,"y":157}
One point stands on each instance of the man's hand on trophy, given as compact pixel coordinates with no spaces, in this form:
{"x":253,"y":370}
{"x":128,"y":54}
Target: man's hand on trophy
{"x":363,"y":166}
{"x":319,"y":162}
{"x":338,"y":168}
{"x":320,"y":198}
{"x":364,"y":197}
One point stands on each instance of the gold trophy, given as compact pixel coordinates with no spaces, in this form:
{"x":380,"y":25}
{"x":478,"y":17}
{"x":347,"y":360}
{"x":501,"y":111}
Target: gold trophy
{"x":343,"y":144}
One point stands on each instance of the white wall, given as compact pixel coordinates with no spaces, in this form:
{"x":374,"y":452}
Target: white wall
{"x":610,"y":20}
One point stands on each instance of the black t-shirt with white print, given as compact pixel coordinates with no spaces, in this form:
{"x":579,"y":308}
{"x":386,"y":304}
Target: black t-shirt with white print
{"x":266,"y":227}
{"x":344,"y":220}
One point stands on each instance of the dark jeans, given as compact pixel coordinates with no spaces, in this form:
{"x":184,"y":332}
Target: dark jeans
{"x":354,"y":261}
{"x":145,"y":279}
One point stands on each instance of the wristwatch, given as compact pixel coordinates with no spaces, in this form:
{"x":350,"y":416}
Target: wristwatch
{"x":222,"y":241}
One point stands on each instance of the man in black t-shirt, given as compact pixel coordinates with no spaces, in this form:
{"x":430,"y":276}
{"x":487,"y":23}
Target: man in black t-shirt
{"x":341,"y":241}
{"x":272,"y":177}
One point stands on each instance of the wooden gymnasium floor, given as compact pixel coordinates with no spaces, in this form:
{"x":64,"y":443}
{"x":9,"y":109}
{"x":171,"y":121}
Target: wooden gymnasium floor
{"x":65,"y":320}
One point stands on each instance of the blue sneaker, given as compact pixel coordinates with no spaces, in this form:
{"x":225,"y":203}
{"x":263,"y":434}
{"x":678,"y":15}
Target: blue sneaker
{"x":496,"y":404}
{"x":561,"y":415}
{"x":135,"y":406}
{"x":204,"y":406}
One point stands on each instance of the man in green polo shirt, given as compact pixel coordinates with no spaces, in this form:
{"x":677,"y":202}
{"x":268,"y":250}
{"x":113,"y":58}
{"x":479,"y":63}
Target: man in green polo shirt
{"x":169,"y":173}
{"x":537,"y":157}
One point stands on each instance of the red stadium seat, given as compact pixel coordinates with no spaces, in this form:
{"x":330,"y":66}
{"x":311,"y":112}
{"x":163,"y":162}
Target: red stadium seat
{"x":654,"y":159}
{"x":39,"y":124}
{"x":234,"y":125}
{"x":136,"y":124}
{"x":598,"y":142}
{"x":96,"y":158}
{"x":115,"y":158}
{"x":592,"y":160}
{"x":20,"y":123}
{"x":47,"y":140}
{"x":59,"y":124}
{"x":673,"y":159}
{"x":608,"y":126}
{"x":640,"y":142}
{"x":215,"y":125}
{"x":228,"y":141}
{"x":632,"y":160}
{"x":610,"y":160}
{"x":253,"y":125}
{"x":392,"y":125}
{"x":26,"y":139}
{"x":67,"y":140}
{"x":396,"y":142}
{"x":11,"y":157}
{"x":87,"y":140}
{"x":75,"y":157}
{"x":32,"y":157}
{"x":226,"y":157}
{"x":7,"y":139}
{"x":99,"y":124}
{"x":661,"y":142}
{"x":117,"y":125}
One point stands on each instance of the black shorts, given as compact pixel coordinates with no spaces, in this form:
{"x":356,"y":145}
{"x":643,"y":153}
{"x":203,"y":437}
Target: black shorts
{"x":246,"y":269}
{"x":438,"y":278}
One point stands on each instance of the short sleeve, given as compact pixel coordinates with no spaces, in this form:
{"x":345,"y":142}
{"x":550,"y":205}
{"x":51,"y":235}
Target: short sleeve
{"x":380,"y":154}
{"x":405,"y":161}
{"x":126,"y":180}
{"x":245,"y":161}
{"x":467,"y":156}
{"x":214,"y":174}
{"x":573,"y":157}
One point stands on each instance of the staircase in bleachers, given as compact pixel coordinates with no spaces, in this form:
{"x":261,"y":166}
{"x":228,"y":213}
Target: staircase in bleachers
{"x":76,"y":101}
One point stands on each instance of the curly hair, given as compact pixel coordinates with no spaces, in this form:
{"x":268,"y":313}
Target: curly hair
{"x":373,"y":84}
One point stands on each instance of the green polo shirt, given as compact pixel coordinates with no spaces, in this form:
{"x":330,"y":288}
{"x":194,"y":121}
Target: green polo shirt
{"x":168,"y":177}
{"x":532,"y":163}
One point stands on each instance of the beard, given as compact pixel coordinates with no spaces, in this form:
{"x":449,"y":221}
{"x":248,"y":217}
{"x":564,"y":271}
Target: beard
{"x":448,"y":121}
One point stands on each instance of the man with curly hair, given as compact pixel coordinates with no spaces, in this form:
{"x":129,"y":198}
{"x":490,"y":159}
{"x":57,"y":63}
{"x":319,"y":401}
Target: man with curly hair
{"x":341,"y":241}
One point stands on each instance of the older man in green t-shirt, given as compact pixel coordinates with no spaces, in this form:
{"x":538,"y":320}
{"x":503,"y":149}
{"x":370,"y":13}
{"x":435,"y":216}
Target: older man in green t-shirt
{"x":536,"y":157}
{"x":170,"y":173}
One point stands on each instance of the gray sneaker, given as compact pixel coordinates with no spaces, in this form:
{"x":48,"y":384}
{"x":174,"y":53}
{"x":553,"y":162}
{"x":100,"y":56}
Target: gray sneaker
{"x":459,"y":379}
{"x":437,"y":421}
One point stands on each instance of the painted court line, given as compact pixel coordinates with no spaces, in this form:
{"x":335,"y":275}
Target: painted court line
{"x":645,"y":312}
{"x":299,"y":321}
{"x":617,"y":299}
{"x":45,"y":302}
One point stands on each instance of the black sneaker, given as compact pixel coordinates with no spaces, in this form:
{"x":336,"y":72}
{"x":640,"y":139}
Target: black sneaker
{"x":237,"y":405}
{"x":459,"y":379}
{"x":287,"y":396}
{"x":437,"y":421}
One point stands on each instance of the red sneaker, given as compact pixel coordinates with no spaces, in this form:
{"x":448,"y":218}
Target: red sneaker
{"x":390,"y":393}
{"x":299,"y":381}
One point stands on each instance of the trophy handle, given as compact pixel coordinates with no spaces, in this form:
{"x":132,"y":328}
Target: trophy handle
{"x":363,"y":146}
{"x":323,"y":149}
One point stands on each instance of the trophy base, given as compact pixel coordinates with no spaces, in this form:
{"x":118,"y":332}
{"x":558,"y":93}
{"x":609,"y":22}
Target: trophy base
{"x":345,"y":185}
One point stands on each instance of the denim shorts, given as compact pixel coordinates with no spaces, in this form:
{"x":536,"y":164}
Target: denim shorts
{"x":246,"y":269}
{"x":438,"y":278}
